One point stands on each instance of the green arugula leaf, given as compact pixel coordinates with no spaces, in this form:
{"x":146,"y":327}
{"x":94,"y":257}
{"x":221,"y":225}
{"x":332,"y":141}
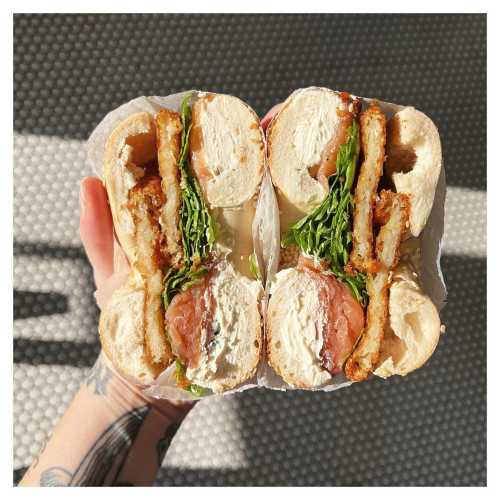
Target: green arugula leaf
{"x":179,"y":373}
{"x":326,"y":232}
{"x":180,"y":280}
{"x":197,"y":390}
{"x":254,"y":266}
{"x":196,"y":225}
{"x":180,"y":380}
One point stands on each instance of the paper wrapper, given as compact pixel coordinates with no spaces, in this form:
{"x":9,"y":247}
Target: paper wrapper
{"x":266,"y":239}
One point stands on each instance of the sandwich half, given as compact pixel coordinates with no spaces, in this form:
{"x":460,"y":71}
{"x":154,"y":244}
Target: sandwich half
{"x":351,"y":188}
{"x":182,"y":189}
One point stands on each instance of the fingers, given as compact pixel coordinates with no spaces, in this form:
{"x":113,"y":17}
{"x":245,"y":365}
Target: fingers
{"x":96,"y":228}
{"x":270,"y":115}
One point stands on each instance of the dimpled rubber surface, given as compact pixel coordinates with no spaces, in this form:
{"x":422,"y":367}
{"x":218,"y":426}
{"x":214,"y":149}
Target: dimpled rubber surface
{"x":69,"y":71}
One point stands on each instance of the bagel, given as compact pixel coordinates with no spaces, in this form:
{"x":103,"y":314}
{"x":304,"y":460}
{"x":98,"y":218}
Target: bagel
{"x":182,"y":187}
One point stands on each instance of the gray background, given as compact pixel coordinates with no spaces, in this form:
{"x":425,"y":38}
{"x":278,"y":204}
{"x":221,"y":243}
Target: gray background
{"x":426,"y":429}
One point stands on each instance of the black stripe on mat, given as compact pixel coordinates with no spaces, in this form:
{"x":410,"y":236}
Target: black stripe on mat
{"x":56,"y":352}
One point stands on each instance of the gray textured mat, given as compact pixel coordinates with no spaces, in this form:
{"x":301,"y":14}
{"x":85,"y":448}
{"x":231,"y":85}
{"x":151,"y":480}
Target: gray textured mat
{"x":426,"y":429}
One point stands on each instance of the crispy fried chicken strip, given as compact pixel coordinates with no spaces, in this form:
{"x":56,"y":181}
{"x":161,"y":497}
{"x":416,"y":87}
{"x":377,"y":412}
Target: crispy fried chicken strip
{"x":146,"y":200}
{"x":365,"y":356}
{"x":373,"y":134}
{"x":382,"y":209}
{"x":168,"y":131}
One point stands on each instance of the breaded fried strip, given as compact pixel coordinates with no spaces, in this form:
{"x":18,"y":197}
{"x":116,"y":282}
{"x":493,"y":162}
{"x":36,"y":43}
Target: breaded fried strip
{"x":389,"y":237}
{"x":157,"y":345}
{"x":146,"y":200}
{"x":382,"y":210}
{"x":168,"y":131}
{"x":373,"y":134}
{"x":145,"y":203}
{"x":365,"y":356}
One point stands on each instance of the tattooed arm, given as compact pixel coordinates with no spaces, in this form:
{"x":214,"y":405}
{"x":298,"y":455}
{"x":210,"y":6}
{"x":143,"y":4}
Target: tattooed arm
{"x":110,"y":435}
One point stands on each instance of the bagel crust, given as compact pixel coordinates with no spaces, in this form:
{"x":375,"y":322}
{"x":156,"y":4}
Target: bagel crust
{"x":414,"y":162}
{"x":226,"y":149}
{"x":297,"y":138}
{"x":414,"y":327}
{"x":142,"y":177}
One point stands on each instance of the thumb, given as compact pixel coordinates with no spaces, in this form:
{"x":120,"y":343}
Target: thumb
{"x":96,"y":228}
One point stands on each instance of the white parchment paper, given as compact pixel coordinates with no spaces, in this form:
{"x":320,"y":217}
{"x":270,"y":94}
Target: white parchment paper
{"x":266,"y":239}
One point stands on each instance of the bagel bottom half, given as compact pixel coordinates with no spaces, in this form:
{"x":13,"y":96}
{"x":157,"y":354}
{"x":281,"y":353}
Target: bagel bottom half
{"x":413,"y":329}
{"x":131,"y":329}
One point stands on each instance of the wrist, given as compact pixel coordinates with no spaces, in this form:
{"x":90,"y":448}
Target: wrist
{"x":124,"y":395}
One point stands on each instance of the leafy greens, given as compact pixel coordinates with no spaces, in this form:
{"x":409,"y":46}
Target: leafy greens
{"x":196,"y":224}
{"x":254,"y":267}
{"x":182,"y":381}
{"x":326,"y":232}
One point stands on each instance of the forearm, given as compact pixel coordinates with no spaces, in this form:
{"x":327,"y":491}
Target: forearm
{"x":110,"y":434}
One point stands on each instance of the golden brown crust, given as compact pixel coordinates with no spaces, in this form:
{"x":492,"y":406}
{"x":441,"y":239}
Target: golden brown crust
{"x":157,"y":346}
{"x":131,"y":325}
{"x":414,"y":162}
{"x":382,"y":210}
{"x":391,"y":233}
{"x":146,"y":200}
{"x":169,"y":130}
{"x":373,"y":135}
{"x":122,"y":332}
{"x":366,"y":353}
{"x":360,"y":364}
{"x":129,"y":147}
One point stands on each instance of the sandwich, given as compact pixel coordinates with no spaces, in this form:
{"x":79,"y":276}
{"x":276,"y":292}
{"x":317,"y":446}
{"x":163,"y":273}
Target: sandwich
{"x":355,"y":189}
{"x":182,"y":187}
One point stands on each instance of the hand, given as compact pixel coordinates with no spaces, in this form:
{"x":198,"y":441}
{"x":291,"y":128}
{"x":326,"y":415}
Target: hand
{"x":96,"y":228}
{"x":106,"y":257}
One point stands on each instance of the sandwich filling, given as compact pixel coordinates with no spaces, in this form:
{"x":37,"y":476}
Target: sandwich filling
{"x":348,"y":269}
{"x":311,"y":128}
{"x":212,"y":316}
{"x":228,"y":164}
{"x":209,"y":329}
{"x":325,"y":233}
{"x":344,"y":316}
{"x":312,"y":330}
{"x":295,"y":323}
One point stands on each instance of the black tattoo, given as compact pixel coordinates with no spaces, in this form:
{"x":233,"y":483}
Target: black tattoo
{"x":55,"y":476}
{"x":104,"y":461}
{"x":164,"y":442}
{"x":99,"y":375}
